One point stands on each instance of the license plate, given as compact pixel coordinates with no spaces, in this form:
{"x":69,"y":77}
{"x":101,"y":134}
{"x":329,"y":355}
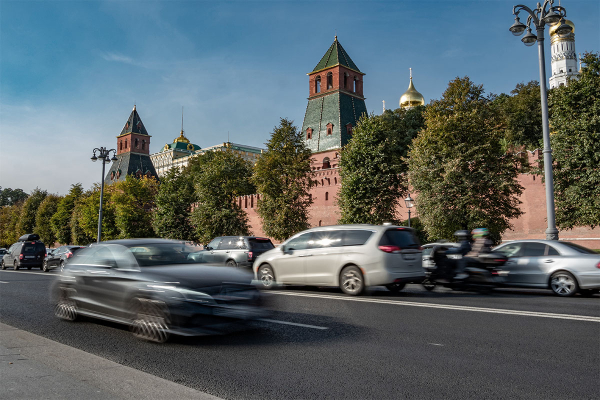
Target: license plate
{"x":29,"y":256}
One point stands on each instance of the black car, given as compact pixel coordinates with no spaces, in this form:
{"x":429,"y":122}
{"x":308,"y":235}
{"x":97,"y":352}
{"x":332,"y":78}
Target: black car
{"x":59,"y":257}
{"x":28,"y":252}
{"x":235,"y":251}
{"x":152,"y":286}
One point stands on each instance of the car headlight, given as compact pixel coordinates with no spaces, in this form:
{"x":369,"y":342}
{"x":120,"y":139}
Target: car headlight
{"x":187,"y":294}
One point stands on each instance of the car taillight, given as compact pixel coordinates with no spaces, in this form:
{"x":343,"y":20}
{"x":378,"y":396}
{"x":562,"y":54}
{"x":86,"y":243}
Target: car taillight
{"x":598,"y":265}
{"x":250,"y":255}
{"x":421,"y":248}
{"x":69,"y":254}
{"x":20,"y":256}
{"x":389,"y":249}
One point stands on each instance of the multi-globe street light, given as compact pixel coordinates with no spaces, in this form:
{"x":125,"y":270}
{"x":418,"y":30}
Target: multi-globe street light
{"x":409,"y":204}
{"x":544,"y":14}
{"x":103,"y":155}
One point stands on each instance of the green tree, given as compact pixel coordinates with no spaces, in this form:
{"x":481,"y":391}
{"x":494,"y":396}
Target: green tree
{"x":521,"y":116}
{"x":575,"y":140}
{"x":9,"y":197}
{"x":133,"y":201}
{"x":172,"y":215}
{"x":283,"y":181}
{"x":29,"y":211}
{"x":463,"y":178}
{"x":45,"y":212}
{"x":373,"y":169}
{"x":9,"y":219}
{"x":219,"y":177}
{"x":61,"y":220}
{"x":84,"y":222}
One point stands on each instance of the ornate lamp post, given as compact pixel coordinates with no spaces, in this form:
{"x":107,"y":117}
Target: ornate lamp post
{"x":544,"y":14}
{"x":103,"y":155}
{"x":409,"y":204}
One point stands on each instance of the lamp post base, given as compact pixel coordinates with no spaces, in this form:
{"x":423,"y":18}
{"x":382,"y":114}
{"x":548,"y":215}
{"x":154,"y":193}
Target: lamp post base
{"x":551,"y":234}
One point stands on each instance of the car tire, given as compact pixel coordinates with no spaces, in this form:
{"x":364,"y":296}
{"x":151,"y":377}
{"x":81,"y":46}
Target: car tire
{"x":231,"y":263}
{"x":15,"y":265}
{"x":45,"y":266}
{"x":429,"y":285}
{"x":66,"y":307}
{"x":266,"y":276}
{"x":62,"y":266}
{"x":352,"y":281}
{"x":563,"y":284}
{"x":150,"y":320}
{"x":395,"y":287}
{"x":3,"y":265}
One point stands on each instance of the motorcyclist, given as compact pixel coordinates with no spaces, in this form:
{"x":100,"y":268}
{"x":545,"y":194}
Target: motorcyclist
{"x":462,"y":237}
{"x":482,"y":243}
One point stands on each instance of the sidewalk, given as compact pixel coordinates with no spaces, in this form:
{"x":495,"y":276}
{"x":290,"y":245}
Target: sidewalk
{"x":33,"y":367}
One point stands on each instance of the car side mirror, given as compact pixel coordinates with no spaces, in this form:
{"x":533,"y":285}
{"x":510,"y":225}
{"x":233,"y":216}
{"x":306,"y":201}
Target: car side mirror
{"x":208,"y":248}
{"x":283,"y":249}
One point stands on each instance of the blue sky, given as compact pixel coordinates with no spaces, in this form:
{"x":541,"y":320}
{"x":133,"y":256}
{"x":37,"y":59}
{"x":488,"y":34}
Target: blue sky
{"x":70,"y":71}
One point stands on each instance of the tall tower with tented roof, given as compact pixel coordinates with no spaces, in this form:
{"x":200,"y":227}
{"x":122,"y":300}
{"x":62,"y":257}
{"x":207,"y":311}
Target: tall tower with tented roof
{"x":335,"y":101}
{"x":133,"y":152}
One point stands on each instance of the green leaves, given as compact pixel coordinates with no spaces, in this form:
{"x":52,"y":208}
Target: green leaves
{"x":282,"y":178}
{"x":30,"y":207}
{"x":61,"y":220}
{"x":43,"y":226}
{"x":575,"y":141}
{"x":172,"y":215}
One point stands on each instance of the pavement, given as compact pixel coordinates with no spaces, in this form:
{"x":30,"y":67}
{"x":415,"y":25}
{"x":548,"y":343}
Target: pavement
{"x":33,"y":367}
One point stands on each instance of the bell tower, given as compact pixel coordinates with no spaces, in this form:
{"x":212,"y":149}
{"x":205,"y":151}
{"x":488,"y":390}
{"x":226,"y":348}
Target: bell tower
{"x":335,"y":101}
{"x":564,"y":58}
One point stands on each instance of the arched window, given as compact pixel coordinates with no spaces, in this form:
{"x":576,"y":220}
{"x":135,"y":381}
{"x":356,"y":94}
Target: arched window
{"x":137,"y":142}
{"x":335,"y":181}
{"x":322,"y":182}
{"x":245,"y":202}
{"x":320,"y":223}
{"x":125,"y":143}
{"x":309,"y":133}
{"x":121,"y":146}
{"x":346,"y":80}
{"x":326,"y":163}
{"x":252,"y":202}
{"x":329,"y":128}
{"x":354,"y":88}
{"x":329,"y":80}
{"x":318,"y":84}
{"x":326,"y":196}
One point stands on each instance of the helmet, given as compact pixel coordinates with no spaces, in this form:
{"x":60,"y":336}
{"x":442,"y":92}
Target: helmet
{"x":480,"y":233}
{"x":462,"y":235}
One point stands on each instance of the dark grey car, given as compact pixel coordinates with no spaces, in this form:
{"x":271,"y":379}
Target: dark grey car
{"x":235,"y":251}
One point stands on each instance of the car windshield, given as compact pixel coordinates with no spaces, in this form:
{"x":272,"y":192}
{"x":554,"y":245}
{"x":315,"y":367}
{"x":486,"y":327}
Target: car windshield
{"x":578,"y":248}
{"x":260,"y":244}
{"x":155,"y":254}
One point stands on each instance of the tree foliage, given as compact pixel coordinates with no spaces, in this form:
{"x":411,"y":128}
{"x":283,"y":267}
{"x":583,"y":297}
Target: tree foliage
{"x":9,"y":197}
{"x":9,"y":219}
{"x":521,"y":116}
{"x":575,"y":141}
{"x":61,"y":220}
{"x":457,"y":165}
{"x":132,"y":201}
{"x":84,"y":223}
{"x":172,"y":215}
{"x":373,"y":168}
{"x":43,"y":226}
{"x":282,"y":178}
{"x":29,"y":211}
{"x":219,"y":177}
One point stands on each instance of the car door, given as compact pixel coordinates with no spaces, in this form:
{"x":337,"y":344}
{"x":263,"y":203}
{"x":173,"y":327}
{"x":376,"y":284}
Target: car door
{"x":211,"y":250}
{"x":513,"y":265}
{"x":534,"y":263}
{"x":290,"y":265}
{"x":322,"y":262}
{"x":8,"y":257}
{"x":54,"y":259}
{"x":227,"y":245}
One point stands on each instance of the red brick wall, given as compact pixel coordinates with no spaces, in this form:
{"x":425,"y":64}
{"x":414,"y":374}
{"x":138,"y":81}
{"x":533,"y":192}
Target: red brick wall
{"x":338,"y":80}
{"x":130,"y":140}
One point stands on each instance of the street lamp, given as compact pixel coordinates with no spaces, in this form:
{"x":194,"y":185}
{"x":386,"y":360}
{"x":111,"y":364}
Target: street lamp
{"x":409,"y":204}
{"x":540,"y":16}
{"x":103,"y":155}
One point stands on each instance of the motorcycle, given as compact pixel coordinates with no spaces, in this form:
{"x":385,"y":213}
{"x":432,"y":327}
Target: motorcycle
{"x":483,"y":273}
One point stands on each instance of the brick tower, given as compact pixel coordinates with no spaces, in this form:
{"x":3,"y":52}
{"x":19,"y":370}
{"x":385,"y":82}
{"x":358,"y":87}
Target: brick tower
{"x":335,"y":101}
{"x":133,"y":152}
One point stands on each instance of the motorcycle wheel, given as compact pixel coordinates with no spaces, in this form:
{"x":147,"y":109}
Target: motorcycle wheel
{"x":428,"y":285}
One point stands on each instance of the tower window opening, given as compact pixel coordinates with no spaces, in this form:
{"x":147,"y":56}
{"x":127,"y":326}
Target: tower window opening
{"x":121,"y":146}
{"x":246,"y":202}
{"x":329,"y":131}
{"x":345,"y":80}
{"x":137,"y":142}
{"x":335,"y":181}
{"x":320,"y":222}
{"x":125,"y":143}
{"x":354,"y":86}
{"x":252,"y":202}
{"x":309,"y":133}
{"x":329,"y":80}
{"x":569,"y":69}
{"x":326,"y":163}
{"x":318,"y":84}
{"x":326,"y":196}
{"x":143,"y":144}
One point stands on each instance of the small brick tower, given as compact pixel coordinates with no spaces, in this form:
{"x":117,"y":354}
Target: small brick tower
{"x":133,"y":152}
{"x":335,"y":101}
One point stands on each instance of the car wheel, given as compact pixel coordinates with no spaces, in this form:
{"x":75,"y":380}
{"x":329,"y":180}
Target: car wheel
{"x":15,"y":265}
{"x":351,"y":281}
{"x":150,"y":320}
{"x":266,"y":276}
{"x":62,"y":266}
{"x":563,"y":283}
{"x":231,"y":263}
{"x":66,"y":307}
{"x":45,"y":266}
{"x":395,"y":287}
{"x":428,"y":284}
{"x":3,"y":265}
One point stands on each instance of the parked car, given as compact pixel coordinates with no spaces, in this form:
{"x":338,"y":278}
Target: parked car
{"x":564,"y":267}
{"x":28,"y":252}
{"x":59,"y":257}
{"x":349,"y":256}
{"x":2,"y":252}
{"x":152,"y":286}
{"x":233,"y":251}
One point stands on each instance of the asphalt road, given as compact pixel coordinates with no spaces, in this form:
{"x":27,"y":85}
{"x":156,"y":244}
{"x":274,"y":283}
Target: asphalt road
{"x":322,"y":344}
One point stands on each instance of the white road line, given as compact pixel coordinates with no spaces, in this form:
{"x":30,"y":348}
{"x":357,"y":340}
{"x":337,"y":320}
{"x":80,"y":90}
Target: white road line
{"x":3,"y":282}
{"x":29,"y":272}
{"x":448,"y":307}
{"x":275,"y":321}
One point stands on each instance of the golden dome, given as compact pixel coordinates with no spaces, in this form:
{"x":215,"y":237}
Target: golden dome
{"x":554,"y":27}
{"x":411,"y":98}
{"x":181,"y":138}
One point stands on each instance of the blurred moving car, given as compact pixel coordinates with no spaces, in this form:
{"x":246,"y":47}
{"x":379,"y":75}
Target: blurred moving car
{"x":349,"y":256}
{"x":152,"y":286}
{"x":564,"y":267}
{"x":59,"y":257}
{"x":233,"y":250}
{"x":28,"y":252}
{"x":428,"y":257}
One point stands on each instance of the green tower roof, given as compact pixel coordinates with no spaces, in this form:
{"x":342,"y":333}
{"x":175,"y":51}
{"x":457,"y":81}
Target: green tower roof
{"x":336,"y":55}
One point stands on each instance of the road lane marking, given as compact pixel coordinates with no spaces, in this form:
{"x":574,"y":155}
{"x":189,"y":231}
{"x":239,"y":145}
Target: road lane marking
{"x":3,"y":282}
{"x":448,"y":307}
{"x":275,"y":321}
{"x":29,"y":272}
{"x":436,"y":344}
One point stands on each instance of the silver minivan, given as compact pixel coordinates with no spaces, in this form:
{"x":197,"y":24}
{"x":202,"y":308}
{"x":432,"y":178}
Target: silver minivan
{"x":349,"y":256}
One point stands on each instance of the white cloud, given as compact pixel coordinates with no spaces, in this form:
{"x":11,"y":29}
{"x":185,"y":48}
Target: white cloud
{"x":117,"y":58}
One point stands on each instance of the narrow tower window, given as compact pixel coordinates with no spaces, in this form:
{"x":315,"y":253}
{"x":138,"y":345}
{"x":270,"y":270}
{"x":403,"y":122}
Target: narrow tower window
{"x":143,"y":144}
{"x":345,"y":80}
{"x":326,"y":196}
{"x":309,"y":133}
{"x":318,"y":84}
{"x":137,"y":142}
{"x":326,"y":163}
{"x":329,"y":80}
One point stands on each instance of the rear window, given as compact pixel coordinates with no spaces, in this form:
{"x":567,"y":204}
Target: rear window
{"x":260,"y":244}
{"x":578,"y":248}
{"x":31,"y":248}
{"x":400,"y":237}
{"x":355,"y":237}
